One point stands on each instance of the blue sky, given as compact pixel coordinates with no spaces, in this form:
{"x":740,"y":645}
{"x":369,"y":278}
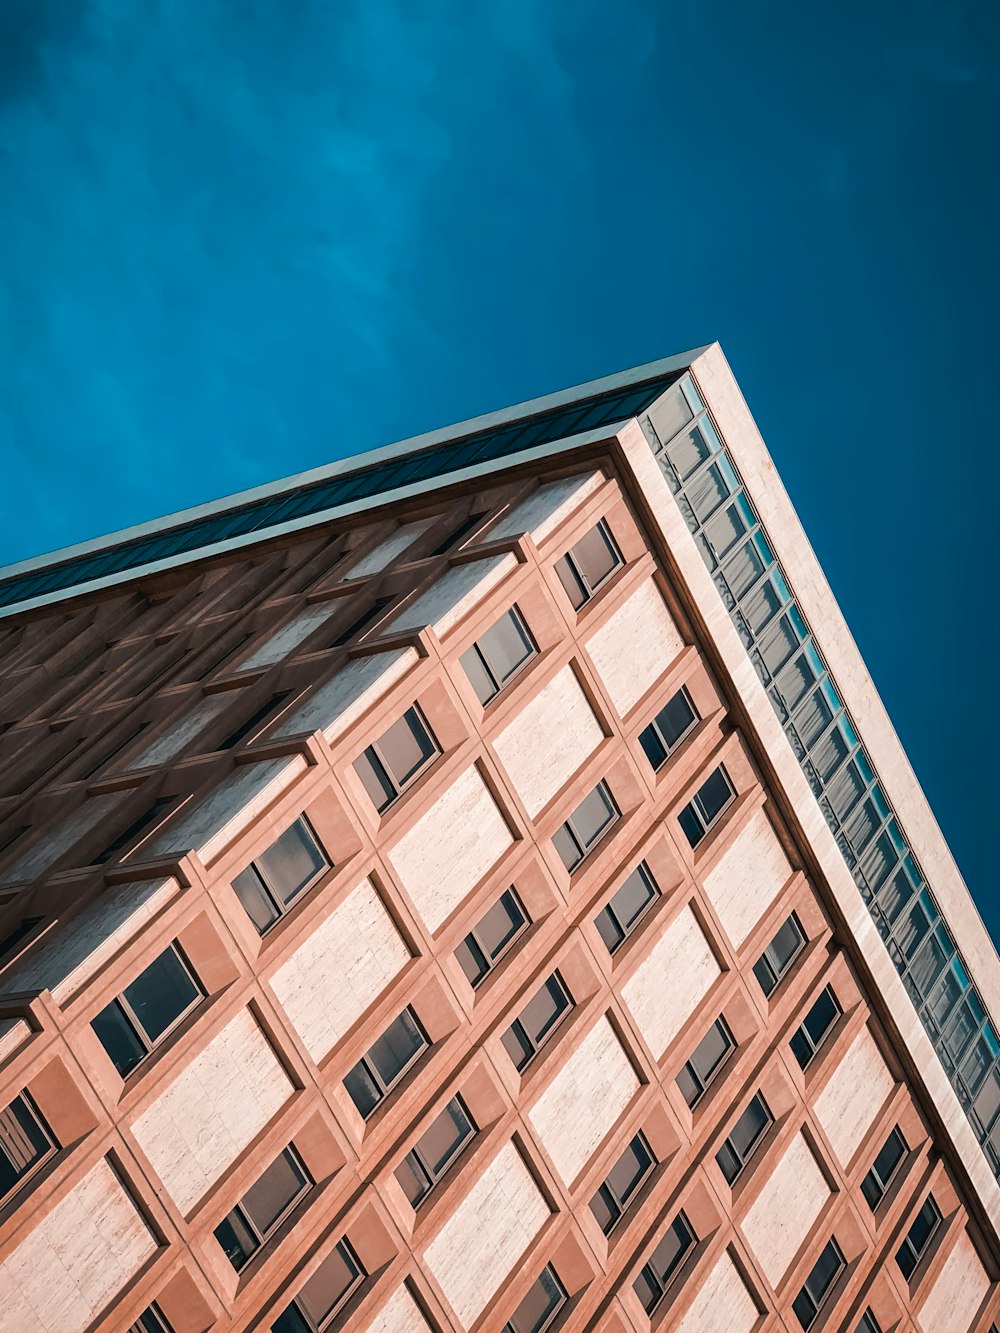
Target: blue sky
{"x":244,"y":237}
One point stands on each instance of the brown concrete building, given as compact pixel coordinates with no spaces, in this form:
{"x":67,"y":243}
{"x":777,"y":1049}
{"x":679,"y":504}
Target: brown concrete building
{"x":476,"y":887}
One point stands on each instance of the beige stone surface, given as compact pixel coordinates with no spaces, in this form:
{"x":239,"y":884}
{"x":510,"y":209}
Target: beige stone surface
{"x":338,"y":703}
{"x":452,"y":596}
{"x":59,"y":837}
{"x":543,"y":510}
{"x":340,"y":970}
{"x":670,"y":983}
{"x":858,"y":1089}
{"x":780,"y":1217}
{"x":559,"y":712}
{"x":748,"y":877}
{"x":959,"y":1290}
{"x":635,"y":646}
{"x":400,"y":1314}
{"x":388,"y":549}
{"x":288,"y":637}
{"x":723,"y":1304}
{"x":181,"y":731}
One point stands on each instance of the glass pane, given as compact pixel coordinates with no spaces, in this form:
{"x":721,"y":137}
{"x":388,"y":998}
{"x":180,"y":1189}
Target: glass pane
{"x":675,"y":720}
{"x":405,"y":747}
{"x":375,"y":780}
{"x":751,"y":1124}
{"x":710,"y":1052}
{"x":609,"y":930}
{"x":500,"y":925}
{"x":821,"y":1016}
{"x":329,"y":1284}
{"x":691,"y":1088}
{"x":571,"y":583}
{"x":472,"y":960}
{"x":442,"y":1139}
{"x":688,"y":451}
{"x":506,"y":646}
{"x":630,"y":1170}
{"x":362,"y":1088}
{"x":824,"y":1273}
{"x":396,"y":1048}
{"x":666,"y":1258}
{"x":707,"y":492}
{"x":653,"y":748}
{"x":634,"y":896}
{"x":606,"y":1209}
{"x":237,"y":1240}
{"x":714,"y":795}
{"x":119,"y":1038}
{"x":742,"y":571}
{"x":291,"y":862}
{"x":23,"y":1142}
{"x":413,"y":1179}
{"x":785,"y":946}
{"x":161,"y":993}
{"x":691,"y":825}
{"x":480,"y":679}
{"x":593,"y":815}
{"x":725,"y":529}
{"x":889,"y":1157}
{"x":539,"y":1015}
{"x":518,"y":1046}
{"x":595,"y":556}
{"x":812,"y":718}
{"x":544,"y":1298}
{"x":670,"y":414}
{"x":255,"y":900}
{"x":567,"y":847}
{"x":266,"y":1201}
{"x":763,"y":604}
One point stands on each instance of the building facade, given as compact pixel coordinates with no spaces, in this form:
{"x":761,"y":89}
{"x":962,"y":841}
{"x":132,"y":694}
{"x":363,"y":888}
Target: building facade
{"x":476,"y":887}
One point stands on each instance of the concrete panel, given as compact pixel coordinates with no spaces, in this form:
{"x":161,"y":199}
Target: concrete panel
{"x":859,"y":1088}
{"x":352,"y":690}
{"x":671,"y":982}
{"x":482,"y":1241}
{"x":559,"y":712}
{"x":722,"y":1302}
{"x":452,"y":596}
{"x":387,"y":550}
{"x":285,"y":640}
{"x":960,"y":1289}
{"x":340,"y":970}
{"x":181,"y":731}
{"x":633,"y":649}
{"x":450,"y":848}
{"x":747,"y":878}
{"x":543,"y":510}
{"x":77,"y":1260}
{"x":59,"y":837}
{"x":781,"y":1216}
{"x":400,"y":1314}
{"x":211,"y":1110}
{"x":583,"y":1101}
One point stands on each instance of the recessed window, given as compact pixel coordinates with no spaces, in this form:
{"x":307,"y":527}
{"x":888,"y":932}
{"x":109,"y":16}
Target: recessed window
{"x":18,"y":935}
{"x":746,"y":1137}
{"x":327,"y":1292}
{"x":456,"y":534}
{"x":537,"y":1021}
{"x":627,"y":907}
{"x":361,"y":622}
{"x":918,"y":1238}
{"x":711,"y":798}
{"x":816,"y":1027}
{"x":779,"y":955}
{"x":270,"y":884}
{"x":819,"y":1284}
{"x":706,"y":1062}
{"x":147,"y":1010}
{"x":537,"y":1312}
{"x":435,"y":1151}
{"x":620,"y":1187}
{"x":256,"y":720}
{"x":886,"y":1164}
{"x":399,"y":755}
{"x":588,"y":564}
{"x":498,"y":655}
{"x":491,"y":937}
{"x":869,"y":1324}
{"x":263,"y":1208}
{"x":586,"y":826}
{"x":151,"y":1321}
{"x":668,"y":728}
{"x":138,"y":826}
{"x":385,"y":1062}
{"x":25,"y":1143}
{"x":661,"y":1267}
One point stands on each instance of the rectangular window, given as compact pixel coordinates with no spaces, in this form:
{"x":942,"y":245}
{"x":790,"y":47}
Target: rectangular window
{"x":16,"y":937}
{"x":918,"y":1238}
{"x":662,"y":1265}
{"x":611,"y":1201}
{"x":816,"y":1027}
{"x":588,"y":564}
{"x":627,"y":907}
{"x":746,"y":1137}
{"x":25,"y":1143}
{"x":537,"y":1312}
{"x":890,"y":1157}
{"x":396,"y":759}
{"x":435,"y":1152}
{"x":138,"y":826}
{"x":326,"y":1292}
{"x":385,"y":1062}
{"x":668,"y":728}
{"x":491,"y":937}
{"x":263,"y":1208}
{"x":151,"y":1321}
{"x":706,"y":1062}
{"x":270,"y":884}
{"x":497,"y":657}
{"x":711,"y":798}
{"x":779,"y":955}
{"x":819,"y":1284}
{"x":586,"y":826}
{"x":456,"y":534}
{"x":537,"y":1021}
{"x":361,"y":622}
{"x":147,"y":1010}
{"x":255,"y":721}
{"x":869,"y":1324}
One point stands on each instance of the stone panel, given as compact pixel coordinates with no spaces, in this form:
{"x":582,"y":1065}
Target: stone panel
{"x":671,"y":982}
{"x":722,"y":1303}
{"x":388,"y":549}
{"x":858,"y":1089}
{"x":635,"y":646}
{"x":348,"y":693}
{"x":958,"y":1291}
{"x":747,"y":878}
{"x":288,"y":637}
{"x":458,"y":590}
{"x":781,"y":1216}
{"x":543,"y":510}
{"x":181,"y":731}
{"x":400,"y":1314}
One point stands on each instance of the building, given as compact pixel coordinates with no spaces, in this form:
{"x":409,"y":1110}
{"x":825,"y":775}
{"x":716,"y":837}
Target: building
{"x":476,"y":886}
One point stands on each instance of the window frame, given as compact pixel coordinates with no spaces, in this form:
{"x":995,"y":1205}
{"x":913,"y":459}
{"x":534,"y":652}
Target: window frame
{"x":883,"y":1185}
{"x":433,"y":1179}
{"x":571,"y":564}
{"x":262,"y":1237}
{"x":551,"y":1314}
{"x":654,"y":727}
{"x":270,"y":894}
{"x":908,"y":1245}
{"x":618,"y":1204}
{"x":151,"y":1320}
{"x":817,"y":1301}
{"x":608,"y":912}
{"x":703,"y":1084}
{"x":664,"y":1281}
{"x":585,"y":849}
{"x":381,"y":1086}
{"x":743,"y":1156}
{"x":765,"y":961}
{"x":135,"y":1023}
{"x":698,"y":810}
{"x":373,"y":756}
{"x":499,"y":682}
{"x":474,"y":944}
{"x":533,"y":1044}
{"x":815,"y":1045}
{"x":38,"y":1122}
{"x":351,"y":1261}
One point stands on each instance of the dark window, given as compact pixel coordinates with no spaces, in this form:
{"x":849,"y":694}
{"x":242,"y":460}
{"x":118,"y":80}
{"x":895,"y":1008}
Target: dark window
{"x":498,"y":655}
{"x":819,"y":1284}
{"x":385,"y":1062}
{"x":779,"y":955}
{"x":586,"y":826}
{"x":269,"y":885}
{"x":706,"y":1062}
{"x":662,"y":1265}
{"x":918,"y":1237}
{"x":150,"y":1321}
{"x":885,"y":1166}
{"x":324,"y":1294}
{"x":25,"y":1143}
{"x":18,"y":935}
{"x":263,"y":1208}
{"x":253,"y":723}
{"x":396,"y":758}
{"x":711,"y":798}
{"x":138,"y":826}
{"x":147,"y":1010}
{"x":491,"y":937}
{"x":585,"y":566}
{"x":668,"y":728}
{"x":456,"y":534}
{"x":546,"y":1297}
{"x":745,"y":1138}
{"x":435,"y":1151}
{"x":627,"y":907}
{"x":623,"y":1181}
{"x":816,"y":1027}
{"x":362,"y":622}
{"x":869,"y":1324}
{"x":537,"y":1021}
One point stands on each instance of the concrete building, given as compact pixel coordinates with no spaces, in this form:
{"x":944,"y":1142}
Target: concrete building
{"x":475,"y":886}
